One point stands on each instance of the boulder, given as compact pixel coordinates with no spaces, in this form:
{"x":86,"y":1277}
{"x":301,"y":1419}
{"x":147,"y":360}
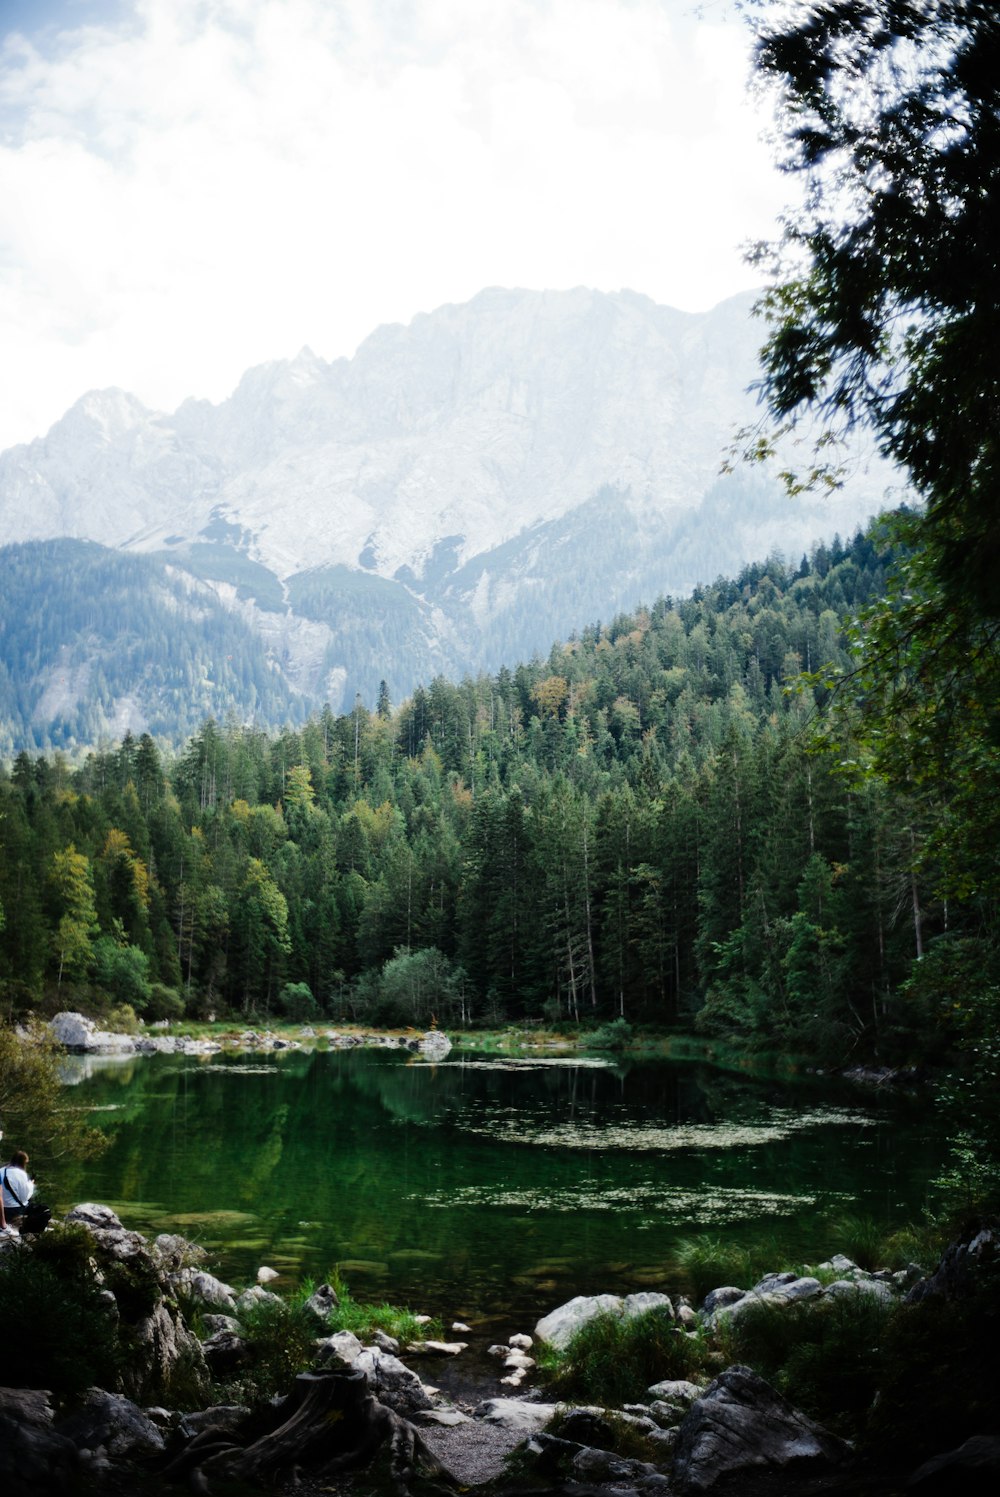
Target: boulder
{"x":644,"y":1301}
{"x":719,"y":1299}
{"x":161,"y":1341}
{"x":226,"y":1352}
{"x":342,"y":1346}
{"x":267,"y":1275}
{"x":392,"y":1384}
{"x":34,"y":1456}
{"x":675,"y":1390}
{"x":204,"y":1287}
{"x":434,"y":1045}
{"x":515,"y":1413}
{"x":97,"y":1218}
{"x":973,"y":1470}
{"x":221,"y":1418}
{"x":560,"y":1326}
{"x":75,"y":1032}
{"x":741,"y":1424}
{"x":873,"y":1289}
{"x":112,"y":1423}
{"x":254,"y":1296}
{"x":520,"y":1342}
{"x":319,"y":1304}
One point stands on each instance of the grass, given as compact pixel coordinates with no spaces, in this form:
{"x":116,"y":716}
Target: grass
{"x":613,"y":1359}
{"x":365,"y":1319}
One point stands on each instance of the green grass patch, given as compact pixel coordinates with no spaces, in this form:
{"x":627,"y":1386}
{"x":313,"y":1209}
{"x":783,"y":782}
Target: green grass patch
{"x":613,"y":1359}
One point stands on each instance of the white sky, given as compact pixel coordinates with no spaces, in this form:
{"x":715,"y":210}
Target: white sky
{"x":191,"y":187}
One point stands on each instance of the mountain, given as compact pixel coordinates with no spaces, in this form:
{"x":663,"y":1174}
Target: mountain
{"x":461,"y":492}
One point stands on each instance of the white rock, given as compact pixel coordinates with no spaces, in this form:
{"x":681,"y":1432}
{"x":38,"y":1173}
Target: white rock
{"x":267,"y":1275}
{"x":521,"y":1342}
{"x":560,"y":1326}
{"x":515,"y":1413}
{"x":645,"y":1300}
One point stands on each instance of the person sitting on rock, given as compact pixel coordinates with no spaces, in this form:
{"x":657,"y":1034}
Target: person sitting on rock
{"x":16,"y":1187}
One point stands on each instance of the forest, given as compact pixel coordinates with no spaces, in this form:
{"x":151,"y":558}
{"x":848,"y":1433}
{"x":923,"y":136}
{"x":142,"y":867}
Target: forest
{"x":648,"y":826}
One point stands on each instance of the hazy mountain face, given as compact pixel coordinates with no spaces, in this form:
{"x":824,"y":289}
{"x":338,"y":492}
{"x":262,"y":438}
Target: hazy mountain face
{"x":461,"y":492}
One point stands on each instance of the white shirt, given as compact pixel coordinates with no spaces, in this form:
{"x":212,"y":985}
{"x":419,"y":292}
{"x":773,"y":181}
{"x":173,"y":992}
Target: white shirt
{"x":21,"y":1183}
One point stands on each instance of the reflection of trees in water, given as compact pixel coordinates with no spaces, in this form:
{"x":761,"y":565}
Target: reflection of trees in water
{"x":355,"y":1144}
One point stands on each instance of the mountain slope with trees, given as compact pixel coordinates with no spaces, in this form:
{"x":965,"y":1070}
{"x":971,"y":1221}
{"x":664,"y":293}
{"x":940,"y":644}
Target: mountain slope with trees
{"x":639,"y":826}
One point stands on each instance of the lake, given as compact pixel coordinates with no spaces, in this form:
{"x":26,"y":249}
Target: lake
{"x":486,"y":1184}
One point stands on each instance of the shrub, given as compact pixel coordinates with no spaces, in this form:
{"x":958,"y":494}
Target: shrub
{"x":825,"y":1357}
{"x":163,"y":1003}
{"x":296,"y":1001}
{"x":57,"y":1329}
{"x":616,"y":1035}
{"x":707,"y":1263}
{"x":613,"y":1359}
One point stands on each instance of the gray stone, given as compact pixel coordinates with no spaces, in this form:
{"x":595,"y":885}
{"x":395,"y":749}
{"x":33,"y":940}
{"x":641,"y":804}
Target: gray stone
{"x":719,"y":1299}
{"x":515,"y":1413}
{"x":112,"y":1423}
{"x":96,"y":1217}
{"x":205,"y":1288}
{"x":437,"y":1348}
{"x":176,"y":1252}
{"x":267,"y":1275}
{"x":222,"y":1418}
{"x":519,"y":1359}
{"x":772,"y":1281}
{"x":645,"y":1300}
{"x":973,"y":1470}
{"x":741,"y":1423}
{"x":560,"y":1326}
{"x":434,"y":1045}
{"x":342,"y":1346}
{"x":34,"y":1457}
{"x":318,"y":1306}
{"x":75,"y":1032}
{"x":449,"y":1418}
{"x":873,"y":1289}
{"x":161,"y":1341}
{"x":520,"y":1342}
{"x":391,"y":1382}
{"x":254,"y":1296}
{"x":800,"y":1290}
{"x":213,"y":1323}
{"x":226,"y":1352}
{"x":675,"y":1390}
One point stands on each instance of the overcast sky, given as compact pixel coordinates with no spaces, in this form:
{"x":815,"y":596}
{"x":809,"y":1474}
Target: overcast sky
{"x":191,"y":187}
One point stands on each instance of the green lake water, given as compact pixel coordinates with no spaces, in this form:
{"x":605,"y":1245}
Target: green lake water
{"x":483,"y":1185}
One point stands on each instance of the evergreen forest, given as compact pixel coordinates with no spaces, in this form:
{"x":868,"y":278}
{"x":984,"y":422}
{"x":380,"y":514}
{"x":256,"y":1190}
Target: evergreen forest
{"x":649,"y":826}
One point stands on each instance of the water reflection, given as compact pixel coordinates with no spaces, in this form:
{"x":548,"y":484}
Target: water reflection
{"x":470,"y":1186}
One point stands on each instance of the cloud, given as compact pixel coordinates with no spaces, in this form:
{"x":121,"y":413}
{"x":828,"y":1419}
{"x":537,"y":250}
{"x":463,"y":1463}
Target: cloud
{"x":188,"y":187}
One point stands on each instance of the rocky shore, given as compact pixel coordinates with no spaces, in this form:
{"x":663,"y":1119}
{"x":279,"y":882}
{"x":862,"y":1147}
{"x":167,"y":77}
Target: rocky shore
{"x":81,"y":1036}
{"x":186,"y":1331}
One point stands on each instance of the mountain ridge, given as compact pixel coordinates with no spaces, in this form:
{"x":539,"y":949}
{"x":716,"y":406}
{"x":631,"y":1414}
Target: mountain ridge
{"x":467,"y":488}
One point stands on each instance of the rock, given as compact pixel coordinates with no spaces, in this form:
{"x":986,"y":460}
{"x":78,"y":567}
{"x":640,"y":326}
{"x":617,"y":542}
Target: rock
{"x":772,"y":1281}
{"x":519,"y":1359}
{"x":798,"y":1290}
{"x":520,"y":1342}
{"x":319,"y":1304}
{"x":437,"y":1348}
{"x":741,"y":1423}
{"x":175,"y":1252}
{"x":586,"y":1427}
{"x":205,"y":1288}
{"x":449,"y":1418}
{"x":391,"y":1382}
{"x":559,"y":1459}
{"x":160,"y":1341}
{"x":434,"y":1045}
{"x":560,"y":1326}
{"x":514,"y":1379}
{"x":497,"y":1350}
{"x":675,"y":1390}
{"x":97,"y":1218}
{"x":957,"y":1271}
{"x":213,"y":1323}
{"x":515,"y":1413}
{"x":75,"y":1032}
{"x":644,"y":1301}
{"x":461,"y":1329}
{"x":342,"y":1346}
{"x":267,"y":1275}
{"x":719,"y":1299}
{"x":254,"y":1296}
{"x":384,"y":1342}
{"x":226,"y":1352}
{"x":108,"y":1421}
{"x":34,"y":1456}
{"x":221,"y":1418}
{"x":973,"y":1470}
{"x":875,"y":1289}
